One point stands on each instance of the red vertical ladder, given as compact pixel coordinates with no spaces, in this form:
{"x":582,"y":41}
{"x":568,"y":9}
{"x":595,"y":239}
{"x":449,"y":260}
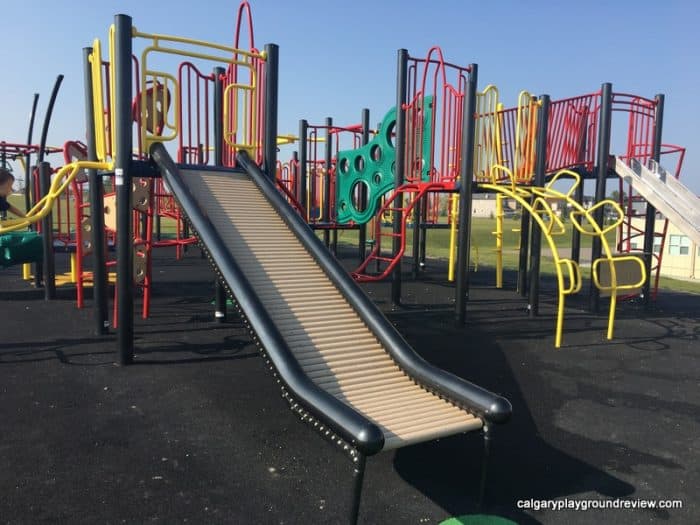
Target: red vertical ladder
{"x":411,"y":194}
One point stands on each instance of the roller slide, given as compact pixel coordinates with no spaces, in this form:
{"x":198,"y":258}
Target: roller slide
{"x":333,"y":351}
{"x":665,"y":193}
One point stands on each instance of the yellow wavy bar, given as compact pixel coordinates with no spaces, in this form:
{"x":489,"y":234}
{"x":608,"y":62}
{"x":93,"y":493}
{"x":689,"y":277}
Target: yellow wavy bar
{"x":60,"y":182}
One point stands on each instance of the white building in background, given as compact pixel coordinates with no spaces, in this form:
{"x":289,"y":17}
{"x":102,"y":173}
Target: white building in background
{"x":681,"y":257}
{"x":484,"y":205}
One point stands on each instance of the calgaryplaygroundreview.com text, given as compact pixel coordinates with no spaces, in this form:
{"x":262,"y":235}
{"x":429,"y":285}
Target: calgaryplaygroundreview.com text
{"x":598,"y":504}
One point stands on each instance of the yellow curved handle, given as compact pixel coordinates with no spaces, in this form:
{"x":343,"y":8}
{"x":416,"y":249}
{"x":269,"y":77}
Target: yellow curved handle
{"x":574,"y":274}
{"x":576,"y":178}
{"x":588,"y":214}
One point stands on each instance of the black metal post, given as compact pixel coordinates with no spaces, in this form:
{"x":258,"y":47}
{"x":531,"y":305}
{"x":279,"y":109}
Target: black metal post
{"x":362,"y":233}
{"x":400,"y":145}
{"x":601,"y":172}
{"x":465,"y":196}
{"x":484,"y":465}
{"x":650,"y":219}
{"x":578,"y":192}
{"x":328,"y":158}
{"x":99,"y":256}
{"x":575,"y":234}
{"x":28,"y":197}
{"x":417,"y":236}
{"x":47,"y":119}
{"x":303,"y":182}
{"x":294,"y":174}
{"x":47,"y":236}
{"x":121,"y":69}
{"x":220,"y":311}
{"x":540,"y":160}
{"x":358,"y":478}
{"x":423,"y":233}
{"x":39,"y":270}
{"x":524,"y":251}
{"x":271,"y":91}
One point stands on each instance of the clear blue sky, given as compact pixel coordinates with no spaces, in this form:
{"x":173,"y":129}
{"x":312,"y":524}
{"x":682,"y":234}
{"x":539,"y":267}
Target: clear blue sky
{"x":337,"y":57}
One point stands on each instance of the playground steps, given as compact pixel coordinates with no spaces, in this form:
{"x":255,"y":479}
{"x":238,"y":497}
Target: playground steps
{"x":666,"y":193}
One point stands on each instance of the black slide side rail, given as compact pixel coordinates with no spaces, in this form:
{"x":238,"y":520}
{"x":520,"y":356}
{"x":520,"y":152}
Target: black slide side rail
{"x":487,"y":405}
{"x":349,"y":424}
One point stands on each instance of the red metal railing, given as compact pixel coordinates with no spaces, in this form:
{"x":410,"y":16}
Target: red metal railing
{"x":446,"y":83}
{"x":572,"y":132}
{"x":194,"y":115}
{"x":343,"y":137}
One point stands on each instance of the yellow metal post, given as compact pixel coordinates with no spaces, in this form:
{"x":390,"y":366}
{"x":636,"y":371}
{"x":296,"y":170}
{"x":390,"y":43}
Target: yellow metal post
{"x":73,"y":268}
{"x":453,"y":237}
{"x":26,"y":271}
{"x":499,"y":240}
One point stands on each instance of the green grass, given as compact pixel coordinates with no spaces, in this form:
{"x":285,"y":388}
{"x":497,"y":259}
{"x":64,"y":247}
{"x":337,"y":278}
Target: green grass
{"x":484,"y":244}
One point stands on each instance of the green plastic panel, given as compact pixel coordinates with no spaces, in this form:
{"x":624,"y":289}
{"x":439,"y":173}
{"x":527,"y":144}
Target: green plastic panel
{"x":372,"y":165}
{"x":20,"y":247}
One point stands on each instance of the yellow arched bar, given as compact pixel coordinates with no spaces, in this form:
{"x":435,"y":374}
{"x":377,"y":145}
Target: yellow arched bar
{"x":60,"y":182}
{"x":568,"y":272}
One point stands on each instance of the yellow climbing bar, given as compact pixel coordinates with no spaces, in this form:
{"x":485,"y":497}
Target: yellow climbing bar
{"x":539,"y":208}
{"x":606,"y":271}
{"x":499,"y":240}
{"x":60,"y":182}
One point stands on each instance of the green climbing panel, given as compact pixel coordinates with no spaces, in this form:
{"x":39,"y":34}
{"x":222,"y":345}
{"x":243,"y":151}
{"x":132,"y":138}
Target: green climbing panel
{"x":373,"y":166}
{"x":20,"y":247}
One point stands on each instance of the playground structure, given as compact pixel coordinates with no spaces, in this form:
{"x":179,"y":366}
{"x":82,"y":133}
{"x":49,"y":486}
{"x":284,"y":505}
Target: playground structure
{"x":571,"y":134}
{"x":225,"y":127}
{"x":321,"y":377}
{"x":426,"y":137}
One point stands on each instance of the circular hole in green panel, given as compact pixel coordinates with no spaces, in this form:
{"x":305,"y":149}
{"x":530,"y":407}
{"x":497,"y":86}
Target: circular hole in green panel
{"x":343,"y":205}
{"x":375,"y":153}
{"x":358,"y":193}
{"x":344,"y":165}
{"x":390,"y":133}
{"x":359,"y":163}
{"x":377,"y":178}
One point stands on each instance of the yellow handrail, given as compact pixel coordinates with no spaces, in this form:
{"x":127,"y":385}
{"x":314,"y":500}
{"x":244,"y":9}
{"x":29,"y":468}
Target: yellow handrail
{"x":240,"y":113}
{"x":98,"y":109}
{"x":525,"y":132}
{"x":201,"y":43}
{"x":111,"y":94}
{"x":487,"y":146}
{"x":60,"y":182}
{"x":231,"y":115}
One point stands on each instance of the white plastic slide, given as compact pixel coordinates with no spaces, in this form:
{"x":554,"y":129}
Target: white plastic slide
{"x":666,"y":193}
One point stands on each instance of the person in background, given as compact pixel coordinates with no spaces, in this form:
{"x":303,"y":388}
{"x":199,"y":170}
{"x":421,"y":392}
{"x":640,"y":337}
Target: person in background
{"x":6,"y":182}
